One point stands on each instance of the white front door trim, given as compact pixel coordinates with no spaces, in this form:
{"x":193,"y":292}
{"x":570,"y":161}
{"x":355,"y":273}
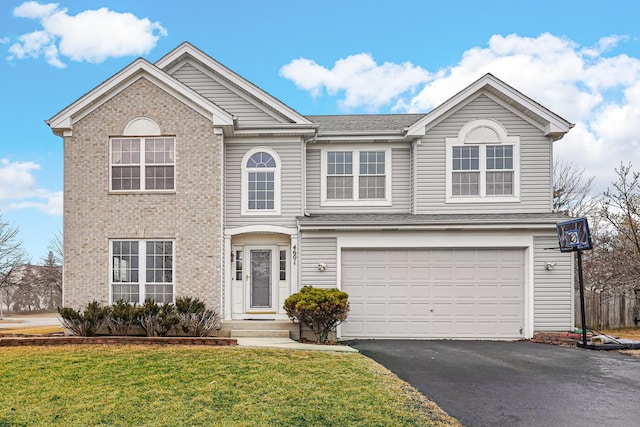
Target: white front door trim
{"x":248,"y":279}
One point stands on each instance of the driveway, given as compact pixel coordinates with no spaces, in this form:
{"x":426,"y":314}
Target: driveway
{"x":487,"y":383}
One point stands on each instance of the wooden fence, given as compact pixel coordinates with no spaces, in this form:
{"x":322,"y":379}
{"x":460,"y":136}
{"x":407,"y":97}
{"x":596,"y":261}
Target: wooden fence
{"x":605,"y":311}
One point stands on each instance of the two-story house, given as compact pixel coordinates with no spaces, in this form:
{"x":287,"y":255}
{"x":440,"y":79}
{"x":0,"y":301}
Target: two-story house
{"x":181,"y":178}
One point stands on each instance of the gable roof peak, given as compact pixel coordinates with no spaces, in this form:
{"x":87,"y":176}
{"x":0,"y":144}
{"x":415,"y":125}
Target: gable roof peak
{"x":554,"y":125}
{"x":63,"y":121}
{"x":187,"y":49}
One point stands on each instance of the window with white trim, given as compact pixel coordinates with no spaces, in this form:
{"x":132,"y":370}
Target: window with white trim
{"x":356,"y":177}
{"x":142,"y":164}
{"x":482,"y":164}
{"x":261,"y":182}
{"x":141,"y":270}
{"x":283,"y":264}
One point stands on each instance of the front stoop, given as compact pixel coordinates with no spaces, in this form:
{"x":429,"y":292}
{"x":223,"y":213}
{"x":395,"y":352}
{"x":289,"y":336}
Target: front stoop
{"x":260,"y":329}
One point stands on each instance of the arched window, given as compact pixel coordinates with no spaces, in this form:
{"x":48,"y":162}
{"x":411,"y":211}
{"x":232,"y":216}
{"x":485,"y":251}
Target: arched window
{"x":261,"y":182}
{"x":142,"y":159}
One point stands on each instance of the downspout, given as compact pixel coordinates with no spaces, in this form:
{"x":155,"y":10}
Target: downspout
{"x":304,"y":173}
{"x":304,"y":203}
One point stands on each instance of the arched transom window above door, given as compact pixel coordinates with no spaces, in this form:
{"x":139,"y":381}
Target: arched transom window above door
{"x":261,"y":182}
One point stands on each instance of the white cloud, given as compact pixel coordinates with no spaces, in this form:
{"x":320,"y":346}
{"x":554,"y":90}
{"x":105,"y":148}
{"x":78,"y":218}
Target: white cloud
{"x":19,"y":190}
{"x":91,"y":36}
{"x":586,"y":85}
{"x":365,"y":83}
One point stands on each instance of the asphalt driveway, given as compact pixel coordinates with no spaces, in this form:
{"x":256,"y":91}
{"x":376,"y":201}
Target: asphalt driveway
{"x":486,"y":383}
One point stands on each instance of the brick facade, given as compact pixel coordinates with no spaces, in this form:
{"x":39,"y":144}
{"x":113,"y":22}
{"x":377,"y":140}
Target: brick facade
{"x":191,"y":215}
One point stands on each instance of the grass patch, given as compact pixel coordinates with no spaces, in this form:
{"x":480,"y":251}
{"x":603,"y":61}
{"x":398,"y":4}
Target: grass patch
{"x":138,"y":385}
{"x":36,"y":330}
{"x":628,"y":333}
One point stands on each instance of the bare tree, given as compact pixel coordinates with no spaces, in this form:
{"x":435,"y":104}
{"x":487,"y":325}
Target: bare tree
{"x":12,"y":255}
{"x":55,"y":248}
{"x":51,"y":273}
{"x":572,"y":191}
{"x":621,"y":212}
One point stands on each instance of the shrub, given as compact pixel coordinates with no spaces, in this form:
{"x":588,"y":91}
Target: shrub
{"x":320,"y":309}
{"x":157,"y":320}
{"x":121,"y":317}
{"x":194,"y":318}
{"x":86,"y":323}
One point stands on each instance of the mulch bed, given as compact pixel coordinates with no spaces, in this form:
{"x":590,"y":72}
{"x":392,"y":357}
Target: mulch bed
{"x":53,"y":340}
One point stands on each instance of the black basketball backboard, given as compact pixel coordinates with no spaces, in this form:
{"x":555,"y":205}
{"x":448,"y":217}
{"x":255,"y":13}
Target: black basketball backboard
{"x":574,"y":235}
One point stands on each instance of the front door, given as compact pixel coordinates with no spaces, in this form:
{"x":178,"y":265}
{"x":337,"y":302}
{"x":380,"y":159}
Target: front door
{"x":260,"y":280}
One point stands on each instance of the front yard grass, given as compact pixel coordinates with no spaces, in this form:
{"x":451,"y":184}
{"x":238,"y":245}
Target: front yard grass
{"x":628,"y":333}
{"x":159,"y":386}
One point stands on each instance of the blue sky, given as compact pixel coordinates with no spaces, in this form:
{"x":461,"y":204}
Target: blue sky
{"x":581,"y":59}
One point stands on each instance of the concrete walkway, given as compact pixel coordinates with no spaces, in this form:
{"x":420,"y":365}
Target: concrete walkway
{"x":15,"y":321}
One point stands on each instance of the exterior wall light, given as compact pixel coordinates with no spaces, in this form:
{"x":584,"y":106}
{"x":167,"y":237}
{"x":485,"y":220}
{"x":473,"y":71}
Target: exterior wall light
{"x":322,"y":266}
{"x":549,"y":265}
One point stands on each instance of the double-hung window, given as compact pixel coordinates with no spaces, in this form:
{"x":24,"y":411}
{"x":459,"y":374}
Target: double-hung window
{"x":141,"y":270}
{"x":482,"y":164}
{"x":356,"y":177}
{"x":142,"y":164}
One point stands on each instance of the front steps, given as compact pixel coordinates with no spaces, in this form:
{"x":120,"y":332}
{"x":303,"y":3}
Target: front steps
{"x":260,"y":329}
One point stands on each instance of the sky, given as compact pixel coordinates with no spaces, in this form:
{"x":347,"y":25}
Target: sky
{"x":580,"y":59}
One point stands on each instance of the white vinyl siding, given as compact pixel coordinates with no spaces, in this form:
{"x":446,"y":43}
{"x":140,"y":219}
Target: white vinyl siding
{"x":222,"y":94}
{"x":534,"y":154}
{"x":317,"y":250}
{"x":290,"y":169}
{"x":553,"y":296}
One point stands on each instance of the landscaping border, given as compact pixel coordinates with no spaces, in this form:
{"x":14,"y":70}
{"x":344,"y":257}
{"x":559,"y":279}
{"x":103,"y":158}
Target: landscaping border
{"x":13,"y":341}
{"x":568,"y":339}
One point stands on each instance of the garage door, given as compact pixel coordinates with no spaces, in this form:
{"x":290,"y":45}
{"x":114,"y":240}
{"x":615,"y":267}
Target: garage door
{"x":434,"y":293}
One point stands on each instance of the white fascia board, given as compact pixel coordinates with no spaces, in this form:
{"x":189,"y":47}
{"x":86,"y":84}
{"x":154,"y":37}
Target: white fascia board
{"x":558,"y":123}
{"x":140,"y":67}
{"x":264,"y":97}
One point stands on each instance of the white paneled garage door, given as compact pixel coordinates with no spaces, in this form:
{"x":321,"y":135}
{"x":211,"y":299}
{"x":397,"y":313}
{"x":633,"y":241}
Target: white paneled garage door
{"x":434,"y":293}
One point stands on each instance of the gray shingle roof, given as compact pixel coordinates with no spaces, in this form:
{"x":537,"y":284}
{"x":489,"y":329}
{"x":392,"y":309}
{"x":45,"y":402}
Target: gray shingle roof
{"x":365,"y":122}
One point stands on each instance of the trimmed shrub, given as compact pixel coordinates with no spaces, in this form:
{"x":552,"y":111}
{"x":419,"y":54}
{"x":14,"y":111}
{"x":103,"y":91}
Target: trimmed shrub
{"x":85,"y":323}
{"x":121,"y":317}
{"x":194,"y":318}
{"x":157,"y":320}
{"x":320,"y":309}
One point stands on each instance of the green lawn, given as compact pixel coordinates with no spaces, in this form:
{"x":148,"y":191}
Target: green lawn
{"x":157,"y":386}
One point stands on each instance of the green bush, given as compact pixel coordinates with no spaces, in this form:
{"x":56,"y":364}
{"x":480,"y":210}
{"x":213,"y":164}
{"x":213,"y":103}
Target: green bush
{"x":188,"y":315}
{"x":85,"y":323}
{"x":121,"y":317}
{"x":157,"y":320}
{"x":320,"y":309}
{"x":194,"y":318}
